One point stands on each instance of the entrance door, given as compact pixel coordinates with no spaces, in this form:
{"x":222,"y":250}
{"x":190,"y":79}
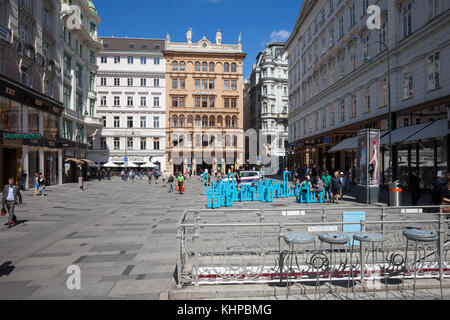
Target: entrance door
{"x":10,"y":164}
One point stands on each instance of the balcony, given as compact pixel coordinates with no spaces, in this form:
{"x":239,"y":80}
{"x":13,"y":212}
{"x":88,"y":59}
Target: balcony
{"x":93,"y":122}
{"x":5,"y":34}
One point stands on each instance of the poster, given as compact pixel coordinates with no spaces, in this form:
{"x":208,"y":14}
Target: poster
{"x":374,"y":158}
{"x":362,"y":158}
{"x":368,"y":157}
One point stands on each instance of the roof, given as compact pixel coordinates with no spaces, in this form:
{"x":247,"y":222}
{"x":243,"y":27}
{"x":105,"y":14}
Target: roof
{"x":91,"y":6}
{"x":123,"y":44}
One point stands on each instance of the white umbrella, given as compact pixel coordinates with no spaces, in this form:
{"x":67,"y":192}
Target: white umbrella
{"x":110,"y":165}
{"x":148,"y":165}
{"x":129,"y":165}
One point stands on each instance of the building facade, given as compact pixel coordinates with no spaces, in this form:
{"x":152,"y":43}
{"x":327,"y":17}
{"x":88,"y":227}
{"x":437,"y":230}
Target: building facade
{"x":30,"y":97}
{"x":339,"y":83}
{"x":80,"y":48}
{"x":204,"y":105}
{"x":266,"y":101}
{"x":131,"y":87}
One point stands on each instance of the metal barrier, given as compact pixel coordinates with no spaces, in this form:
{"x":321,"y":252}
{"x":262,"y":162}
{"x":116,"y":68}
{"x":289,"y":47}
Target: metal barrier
{"x":239,"y":246}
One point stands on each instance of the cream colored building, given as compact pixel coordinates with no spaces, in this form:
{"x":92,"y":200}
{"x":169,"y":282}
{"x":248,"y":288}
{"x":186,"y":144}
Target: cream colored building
{"x":204,"y":111}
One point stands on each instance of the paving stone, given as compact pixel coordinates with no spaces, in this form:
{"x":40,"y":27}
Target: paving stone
{"x":116,"y":247}
{"x":105,"y":258}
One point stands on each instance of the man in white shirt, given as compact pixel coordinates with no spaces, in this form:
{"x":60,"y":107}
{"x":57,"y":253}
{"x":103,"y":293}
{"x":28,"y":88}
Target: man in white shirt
{"x":10,"y":198}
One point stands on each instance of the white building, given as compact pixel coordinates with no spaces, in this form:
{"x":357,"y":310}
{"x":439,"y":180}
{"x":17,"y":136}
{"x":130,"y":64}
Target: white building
{"x":131,"y":87}
{"x":81,"y":46}
{"x":338,"y":83}
{"x":266,"y":99}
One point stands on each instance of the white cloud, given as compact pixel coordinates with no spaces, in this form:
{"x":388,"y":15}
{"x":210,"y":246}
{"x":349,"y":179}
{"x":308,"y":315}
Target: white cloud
{"x":281,"y":35}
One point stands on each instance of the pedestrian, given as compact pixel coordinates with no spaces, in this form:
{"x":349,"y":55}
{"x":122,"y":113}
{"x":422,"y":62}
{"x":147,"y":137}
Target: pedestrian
{"x":336,"y":187}
{"x":36,"y":184}
{"x":156,"y":176}
{"x":10,"y":199}
{"x":414,"y":186}
{"x":437,"y":185}
{"x":164,"y":176}
{"x":23,"y":179}
{"x":326,"y":179}
{"x":180,"y":180}
{"x":170,"y":181}
{"x":42,"y":185}
{"x":343,"y":181}
{"x":149,"y":176}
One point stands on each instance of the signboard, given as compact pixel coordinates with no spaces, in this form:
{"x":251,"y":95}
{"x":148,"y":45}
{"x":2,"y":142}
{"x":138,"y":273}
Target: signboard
{"x":21,"y":136}
{"x":368,"y":157}
{"x":258,"y":160}
{"x":355,"y":228}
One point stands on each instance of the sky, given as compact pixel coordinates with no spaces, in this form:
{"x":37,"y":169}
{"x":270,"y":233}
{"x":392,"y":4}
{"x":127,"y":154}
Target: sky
{"x":258,"y":20}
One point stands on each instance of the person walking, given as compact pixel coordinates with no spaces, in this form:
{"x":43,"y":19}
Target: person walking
{"x":42,"y":185}
{"x":180,"y":180}
{"x":156,"y":177}
{"x":343,"y":181}
{"x":10,"y":199}
{"x":36,"y":184}
{"x":23,"y":179}
{"x":170,"y":181}
{"x":326,"y":179}
{"x":336,"y":187}
{"x":414,"y":186}
{"x":149,"y":176}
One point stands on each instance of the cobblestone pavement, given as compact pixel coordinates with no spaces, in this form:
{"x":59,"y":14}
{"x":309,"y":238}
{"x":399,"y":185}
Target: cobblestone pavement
{"x":120,"y":234}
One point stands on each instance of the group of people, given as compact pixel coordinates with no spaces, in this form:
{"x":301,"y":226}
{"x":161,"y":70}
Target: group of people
{"x":335,"y":186}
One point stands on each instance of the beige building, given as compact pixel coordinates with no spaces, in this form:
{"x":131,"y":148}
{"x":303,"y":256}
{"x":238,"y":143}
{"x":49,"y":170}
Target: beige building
{"x":204,"y":114}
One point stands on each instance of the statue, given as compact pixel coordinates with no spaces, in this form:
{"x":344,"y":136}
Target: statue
{"x":268,"y":149}
{"x":189,"y":35}
{"x":218,"y":37}
{"x":168,"y":38}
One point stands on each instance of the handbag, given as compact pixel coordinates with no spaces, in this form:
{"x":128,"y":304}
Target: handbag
{"x":3,"y":211}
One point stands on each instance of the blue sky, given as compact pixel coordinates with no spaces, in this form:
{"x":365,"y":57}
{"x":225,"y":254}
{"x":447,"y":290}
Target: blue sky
{"x":258,"y":20}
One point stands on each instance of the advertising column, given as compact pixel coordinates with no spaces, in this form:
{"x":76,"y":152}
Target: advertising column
{"x":368,"y":166}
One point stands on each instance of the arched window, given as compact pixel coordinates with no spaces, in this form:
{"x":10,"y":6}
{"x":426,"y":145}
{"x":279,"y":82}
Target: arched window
{"x":181,"y":140}
{"x":198,"y":141}
{"x":182,"y":66}
{"x":264,"y":110}
{"x":205,"y":140}
{"x":211,"y":67}
{"x":174,"y":66}
{"x":198,"y":121}
{"x":174,"y":121}
{"x":175,"y":140}
{"x":234,"y":122}
{"x":189,"y":140}
{"x":233,"y":67}
{"x":204,"y":121}
{"x":197,"y":66}
{"x":227,"y":122}
{"x":205,"y":67}
{"x":212,"y":121}
{"x":235,"y":141}
{"x":219,"y":121}
{"x":181,"y":121}
{"x":212,"y":140}
{"x":227,"y":141}
{"x":190,"y":121}
{"x":226,"y":67}
{"x":219,"y":141}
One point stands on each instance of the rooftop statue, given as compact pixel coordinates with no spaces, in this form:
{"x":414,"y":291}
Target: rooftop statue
{"x":189,"y":35}
{"x":218,"y":37}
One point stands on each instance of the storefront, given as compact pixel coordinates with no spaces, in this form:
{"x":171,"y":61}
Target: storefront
{"x":29,"y":131}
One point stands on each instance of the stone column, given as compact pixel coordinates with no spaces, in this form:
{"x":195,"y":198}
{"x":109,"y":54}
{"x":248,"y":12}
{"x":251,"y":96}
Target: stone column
{"x":41,"y":161}
{"x":25,"y":166}
{"x":60,"y":166}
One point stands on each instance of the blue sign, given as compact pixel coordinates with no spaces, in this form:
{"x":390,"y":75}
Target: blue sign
{"x":354,"y":228}
{"x":125,"y":159}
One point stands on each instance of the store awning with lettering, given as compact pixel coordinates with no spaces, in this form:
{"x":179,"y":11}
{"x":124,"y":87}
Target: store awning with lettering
{"x":436,"y":129}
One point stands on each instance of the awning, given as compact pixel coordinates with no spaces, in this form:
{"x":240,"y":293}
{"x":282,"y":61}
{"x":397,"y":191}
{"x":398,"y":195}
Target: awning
{"x":437,"y":129}
{"x":347,"y":144}
{"x":110,"y":165}
{"x":402,"y":134}
{"x":129,"y":165}
{"x":148,"y":165}
{"x":74,"y":160}
{"x":88,"y":161}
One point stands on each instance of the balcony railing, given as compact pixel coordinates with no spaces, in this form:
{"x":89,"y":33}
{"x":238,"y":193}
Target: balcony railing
{"x":5,"y":33}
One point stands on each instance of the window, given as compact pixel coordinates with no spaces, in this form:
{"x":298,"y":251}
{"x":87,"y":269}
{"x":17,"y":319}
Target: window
{"x":174,"y":66}
{"x":130,"y":82}
{"x":227,"y":103}
{"x":233,"y":67}
{"x":212,"y":121}
{"x":129,"y":101}
{"x":331,"y":37}
{"x":205,"y":84}
{"x":198,"y":122}
{"x":352,"y":15}
{"x":352,"y":59}
{"x":155,"y":122}
{"x":197,"y":66}
{"x":182,"y":124}
{"x":175,"y":102}
{"x":116,"y":59}
{"x":324,"y":118}
{"x":227,"y":85}
{"x":233,"y":102}
{"x":143,"y":122}
{"x":116,"y":82}
{"x":211,"y":84}
{"x":211,"y":67}
{"x":433,"y":8}
{"x":143,"y":144}
{"x":174,"y":83}
{"x":204,"y":67}
{"x":103,"y":81}
{"x":204,"y":102}
{"x":234,"y":85}
{"x":103,"y":59}
{"x":226,"y":67}
{"x":156,"y":83}
{"x":182,"y":66}
{"x":116,"y":144}
{"x":131,"y":46}
{"x":353,"y":106}
{"x":143,"y":82}
{"x":367,"y":100}
{"x":197,"y":102}
{"x":434,"y":66}
{"x":341,"y":27}
{"x":130,"y":60}
{"x":332,"y":116}
{"x":116,"y":101}
{"x":342,"y":110}
{"x":197,"y":84}
{"x":407,"y":19}
{"x":130,"y":143}
{"x":103,"y":145}
{"x":212,"y":102}
{"x":156,"y":60}
{"x":130,"y":122}
{"x":156,"y":101}
{"x":382,"y":37}
{"x":383,"y":93}
{"x":204,"y":121}
{"x":143,"y":60}
{"x":47,"y":19}
{"x":181,"y":101}
{"x":341,"y":66}
{"x":234,"y":122}
{"x":182,"y":84}
{"x":365,"y":6}
{"x":143,"y":101}
{"x":366,"y":48}
{"x":103,"y":101}
{"x":156,"y":144}
{"x":408,"y":86}
{"x":116,"y":122}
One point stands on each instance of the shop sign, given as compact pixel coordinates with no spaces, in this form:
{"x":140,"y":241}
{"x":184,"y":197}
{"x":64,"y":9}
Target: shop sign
{"x":21,"y":136}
